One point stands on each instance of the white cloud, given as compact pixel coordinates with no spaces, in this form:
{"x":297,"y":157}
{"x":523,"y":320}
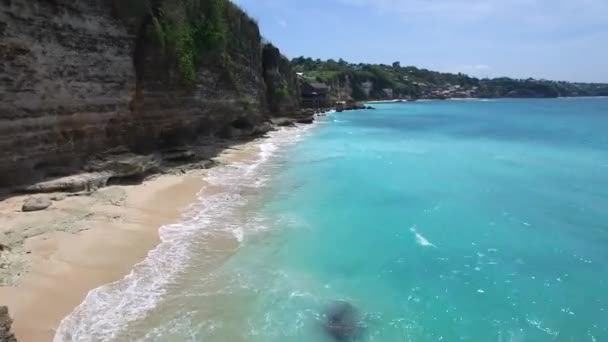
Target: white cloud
{"x":282,"y":22}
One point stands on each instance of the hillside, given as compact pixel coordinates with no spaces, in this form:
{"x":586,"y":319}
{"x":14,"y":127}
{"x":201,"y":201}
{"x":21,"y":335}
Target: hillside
{"x":379,"y":81}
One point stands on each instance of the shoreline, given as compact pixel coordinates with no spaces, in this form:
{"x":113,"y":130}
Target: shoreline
{"x":65,"y":266}
{"x":83,"y":242}
{"x":481,"y":99}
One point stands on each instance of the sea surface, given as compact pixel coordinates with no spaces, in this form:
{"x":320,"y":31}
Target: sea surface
{"x":477,"y":220}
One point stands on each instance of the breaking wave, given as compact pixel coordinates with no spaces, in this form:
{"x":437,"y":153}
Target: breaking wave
{"x":107,"y":310}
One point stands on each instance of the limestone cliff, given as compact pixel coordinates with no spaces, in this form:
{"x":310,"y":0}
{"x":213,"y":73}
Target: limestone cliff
{"x":78,"y":78}
{"x":66,"y":81}
{"x":282,"y":82}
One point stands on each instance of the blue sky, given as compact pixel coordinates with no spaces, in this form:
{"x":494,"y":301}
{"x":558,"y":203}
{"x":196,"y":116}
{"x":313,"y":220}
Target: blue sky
{"x":553,"y":39}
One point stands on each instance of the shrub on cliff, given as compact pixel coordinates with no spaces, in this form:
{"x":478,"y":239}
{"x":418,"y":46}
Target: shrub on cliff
{"x":188,"y":32}
{"x":189,"y":28}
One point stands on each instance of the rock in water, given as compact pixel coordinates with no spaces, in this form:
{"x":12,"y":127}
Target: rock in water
{"x":5,"y":326}
{"x":36,"y":204}
{"x":343,"y":322}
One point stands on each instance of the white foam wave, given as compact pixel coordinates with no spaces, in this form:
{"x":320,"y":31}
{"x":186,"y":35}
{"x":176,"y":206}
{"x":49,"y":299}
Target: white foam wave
{"x":421,"y":240}
{"x":464,"y":99}
{"x":539,"y":325}
{"x":108,"y":309}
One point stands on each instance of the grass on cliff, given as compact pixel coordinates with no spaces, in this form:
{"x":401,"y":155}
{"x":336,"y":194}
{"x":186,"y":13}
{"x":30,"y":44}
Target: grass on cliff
{"x":188,"y":32}
{"x":188,"y":28}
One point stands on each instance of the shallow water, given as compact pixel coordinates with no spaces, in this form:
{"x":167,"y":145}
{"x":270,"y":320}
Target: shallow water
{"x":439,"y":221}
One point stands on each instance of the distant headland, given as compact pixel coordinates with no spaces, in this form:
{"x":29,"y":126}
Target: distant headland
{"x":364,"y":81}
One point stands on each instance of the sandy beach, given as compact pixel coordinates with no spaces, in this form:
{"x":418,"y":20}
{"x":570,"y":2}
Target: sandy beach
{"x":56,"y":256}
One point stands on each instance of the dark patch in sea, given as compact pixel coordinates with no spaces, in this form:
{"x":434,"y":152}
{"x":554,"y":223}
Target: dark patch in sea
{"x":343,"y":322}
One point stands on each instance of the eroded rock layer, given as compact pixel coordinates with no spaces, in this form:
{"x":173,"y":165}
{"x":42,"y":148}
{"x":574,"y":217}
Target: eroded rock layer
{"x":79,"y":78}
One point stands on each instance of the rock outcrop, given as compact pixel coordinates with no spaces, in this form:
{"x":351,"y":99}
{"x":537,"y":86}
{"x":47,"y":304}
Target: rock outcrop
{"x":36,"y":204}
{"x":78,"y":78}
{"x":5,"y":326}
{"x":124,"y":165}
{"x":80,"y":182}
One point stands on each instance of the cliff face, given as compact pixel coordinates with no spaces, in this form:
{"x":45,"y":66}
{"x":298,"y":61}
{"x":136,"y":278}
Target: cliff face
{"x":282,"y":82}
{"x":342,"y":89}
{"x":66,"y":78}
{"x":227,"y":94}
{"x":78,"y":78}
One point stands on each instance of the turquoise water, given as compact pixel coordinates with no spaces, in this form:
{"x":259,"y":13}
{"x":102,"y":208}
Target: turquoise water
{"x":438,"y":221}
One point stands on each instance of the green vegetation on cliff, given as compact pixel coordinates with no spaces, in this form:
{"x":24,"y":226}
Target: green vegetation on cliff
{"x":188,"y":32}
{"x":187,"y":29}
{"x":190,"y":42}
{"x":380,"y":81}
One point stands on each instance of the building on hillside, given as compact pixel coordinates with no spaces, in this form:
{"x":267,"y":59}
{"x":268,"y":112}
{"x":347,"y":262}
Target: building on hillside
{"x":315,"y":95}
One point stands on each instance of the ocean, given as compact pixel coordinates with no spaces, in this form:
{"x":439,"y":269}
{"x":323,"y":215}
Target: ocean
{"x":473,"y":220}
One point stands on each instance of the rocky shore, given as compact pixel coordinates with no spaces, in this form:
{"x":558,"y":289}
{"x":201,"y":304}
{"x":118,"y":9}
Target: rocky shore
{"x":5,"y":326}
